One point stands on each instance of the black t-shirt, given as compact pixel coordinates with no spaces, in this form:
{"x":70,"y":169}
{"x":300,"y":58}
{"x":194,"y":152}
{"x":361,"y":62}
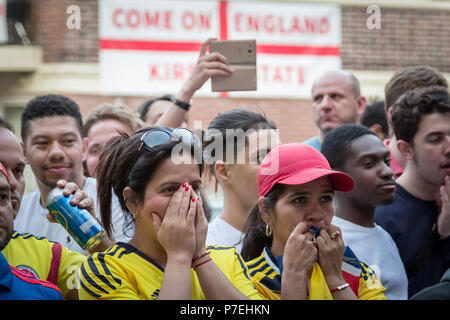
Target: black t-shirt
{"x":410,"y":221}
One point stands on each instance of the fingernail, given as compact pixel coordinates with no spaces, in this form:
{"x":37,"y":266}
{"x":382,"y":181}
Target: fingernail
{"x":193,"y":199}
{"x":183,"y":185}
{"x":187,"y":188}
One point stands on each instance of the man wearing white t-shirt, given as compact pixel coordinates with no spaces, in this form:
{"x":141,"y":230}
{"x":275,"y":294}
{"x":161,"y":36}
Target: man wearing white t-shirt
{"x":358,"y":152}
{"x":52,"y":135}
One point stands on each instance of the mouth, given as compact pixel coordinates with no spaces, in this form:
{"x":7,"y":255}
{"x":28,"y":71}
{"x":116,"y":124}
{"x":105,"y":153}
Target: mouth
{"x":58,"y":168}
{"x":446,"y":167}
{"x":387,"y":186}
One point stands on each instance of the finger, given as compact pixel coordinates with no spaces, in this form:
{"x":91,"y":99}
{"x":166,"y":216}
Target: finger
{"x":216,"y":56}
{"x":203,"y":48}
{"x":51,"y":218}
{"x":78,"y":196}
{"x":301,"y":227}
{"x":61,"y":183}
{"x":156,"y":221}
{"x":190,"y":217}
{"x":70,"y":188}
{"x":184,"y":203}
{"x":174,"y":203}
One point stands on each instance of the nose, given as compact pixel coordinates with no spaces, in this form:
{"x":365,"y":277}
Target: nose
{"x":386,"y":171}
{"x":326,"y":103}
{"x":315,"y":215}
{"x":56,"y":152}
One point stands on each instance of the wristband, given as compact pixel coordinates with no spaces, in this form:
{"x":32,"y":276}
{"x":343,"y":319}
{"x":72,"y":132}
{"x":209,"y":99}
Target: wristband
{"x":183,"y":105}
{"x":340,"y":288}
{"x":202,"y":255}
{"x":206,"y":261}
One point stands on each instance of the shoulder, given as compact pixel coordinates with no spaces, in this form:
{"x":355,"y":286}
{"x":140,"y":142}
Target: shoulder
{"x":35,"y":288}
{"x":101,"y":273}
{"x":313,"y":142}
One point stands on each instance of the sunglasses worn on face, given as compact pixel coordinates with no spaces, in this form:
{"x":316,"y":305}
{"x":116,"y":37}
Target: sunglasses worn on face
{"x":152,"y":139}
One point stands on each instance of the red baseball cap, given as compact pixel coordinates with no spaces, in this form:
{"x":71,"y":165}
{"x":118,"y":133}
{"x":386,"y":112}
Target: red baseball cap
{"x":3,"y":170}
{"x":298,"y":163}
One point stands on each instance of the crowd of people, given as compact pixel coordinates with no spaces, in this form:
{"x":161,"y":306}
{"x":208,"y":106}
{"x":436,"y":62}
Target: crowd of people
{"x":360,"y":211}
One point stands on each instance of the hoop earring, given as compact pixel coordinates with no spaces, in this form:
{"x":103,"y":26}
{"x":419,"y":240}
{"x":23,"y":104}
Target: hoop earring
{"x":268,"y":231}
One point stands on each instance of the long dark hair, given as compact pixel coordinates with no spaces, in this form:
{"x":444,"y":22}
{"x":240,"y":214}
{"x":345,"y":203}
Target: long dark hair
{"x":255,"y":229}
{"x":122,"y":164}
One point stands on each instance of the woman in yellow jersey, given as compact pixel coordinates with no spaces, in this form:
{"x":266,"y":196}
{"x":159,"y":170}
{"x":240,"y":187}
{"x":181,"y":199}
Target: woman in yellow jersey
{"x":291,"y":248}
{"x":155,"y":173}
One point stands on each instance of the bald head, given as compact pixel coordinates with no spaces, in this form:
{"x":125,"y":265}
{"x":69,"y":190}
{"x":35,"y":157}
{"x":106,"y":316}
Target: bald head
{"x":337,"y":100}
{"x":342,"y":75}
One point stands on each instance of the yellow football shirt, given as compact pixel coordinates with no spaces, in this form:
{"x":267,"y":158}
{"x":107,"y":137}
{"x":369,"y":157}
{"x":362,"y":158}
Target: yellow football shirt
{"x":124,"y":273}
{"x":34,"y":255}
{"x":266,"y":277}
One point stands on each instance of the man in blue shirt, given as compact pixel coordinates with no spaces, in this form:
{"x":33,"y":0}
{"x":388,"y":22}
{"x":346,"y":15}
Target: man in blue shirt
{"x":419,"y":218}
{"x":15,"y":284}
{"x":336,"y":100}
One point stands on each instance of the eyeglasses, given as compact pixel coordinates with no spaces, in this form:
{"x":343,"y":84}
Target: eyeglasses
{"x":156,"y":137}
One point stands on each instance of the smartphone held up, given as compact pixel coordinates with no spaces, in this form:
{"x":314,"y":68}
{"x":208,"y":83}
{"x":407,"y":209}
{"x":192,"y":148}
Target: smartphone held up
{"x":241,"y":55}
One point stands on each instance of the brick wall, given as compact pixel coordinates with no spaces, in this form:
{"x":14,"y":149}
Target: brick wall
{"x":407,"y":37}
{"x":293,"y":117}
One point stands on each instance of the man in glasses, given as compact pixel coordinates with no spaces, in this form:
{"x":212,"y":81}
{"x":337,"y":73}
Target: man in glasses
{"x":52,"y":133}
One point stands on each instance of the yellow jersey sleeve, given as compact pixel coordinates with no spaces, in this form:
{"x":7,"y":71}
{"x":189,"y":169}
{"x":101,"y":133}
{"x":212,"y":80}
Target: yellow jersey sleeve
{"x":34,"y":255}
{"x":234,"y":268}
{"x":102,"y":278}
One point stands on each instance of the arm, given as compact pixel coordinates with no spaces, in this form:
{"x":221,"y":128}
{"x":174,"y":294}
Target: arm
{"x":214,"y":283}
{"x":299,"y":256}
{"x":207,"y":66}
{"x":331,"y":251}
{"x":176,"y":234}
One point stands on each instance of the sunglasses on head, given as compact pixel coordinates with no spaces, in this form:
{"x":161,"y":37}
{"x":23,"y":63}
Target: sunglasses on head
{"x":156,"y":137}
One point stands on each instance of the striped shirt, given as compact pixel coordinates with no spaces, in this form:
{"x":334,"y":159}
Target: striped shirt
{"x":266,"y":276}
{"x":124,"y":273}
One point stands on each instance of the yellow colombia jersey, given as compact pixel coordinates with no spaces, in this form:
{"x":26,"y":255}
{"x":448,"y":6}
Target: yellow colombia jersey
{"x":266,"y":276}
{"x":35,"y":255}
{"x":124,"y":273}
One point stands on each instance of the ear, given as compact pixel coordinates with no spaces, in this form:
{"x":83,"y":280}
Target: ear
{"x":389,"y":113}
{"x":376,"y":128}
{"x":85,"y":148}
{"x":222,"y":172}
{"x":129,"y":196}
{"x":24,"y":153}
{"x":405,"y":149}
{"x":265,"y":216}
{"x":361,"y":105}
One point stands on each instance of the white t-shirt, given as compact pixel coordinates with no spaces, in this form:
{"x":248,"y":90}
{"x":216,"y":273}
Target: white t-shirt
{"x":32,"y":218}
{"x":375,"y":247}
{"x":222,"y":233}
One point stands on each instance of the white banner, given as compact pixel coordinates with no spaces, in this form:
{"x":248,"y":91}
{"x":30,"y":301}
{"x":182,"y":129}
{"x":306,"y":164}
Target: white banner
{"x":149,"y":47}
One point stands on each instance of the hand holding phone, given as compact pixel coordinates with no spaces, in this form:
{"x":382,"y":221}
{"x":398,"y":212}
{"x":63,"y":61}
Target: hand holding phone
{"x":241,"y":55}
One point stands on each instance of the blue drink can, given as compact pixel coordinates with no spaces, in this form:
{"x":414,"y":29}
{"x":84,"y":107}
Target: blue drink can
{"x":80,"y":224}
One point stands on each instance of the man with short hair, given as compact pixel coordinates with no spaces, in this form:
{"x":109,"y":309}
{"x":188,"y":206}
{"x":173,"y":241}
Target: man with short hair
{"x":403,"y":80}
{"x":357,"y":151}
{"x":15,"y":284}
{"x":35,"y":255}
{"x":52,"y":132}
{"x":419,"y":218}
{"x":336,"y":100}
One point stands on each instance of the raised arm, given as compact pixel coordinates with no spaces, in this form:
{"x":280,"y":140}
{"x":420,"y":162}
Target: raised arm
{"x":207,"y":66}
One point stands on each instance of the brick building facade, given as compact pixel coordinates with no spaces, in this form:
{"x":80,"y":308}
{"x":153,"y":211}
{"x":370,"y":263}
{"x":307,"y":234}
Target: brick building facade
{"x":408,"y":36}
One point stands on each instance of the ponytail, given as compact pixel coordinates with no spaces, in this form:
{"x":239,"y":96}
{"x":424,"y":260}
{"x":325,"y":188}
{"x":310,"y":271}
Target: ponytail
{"x":255,"y":239}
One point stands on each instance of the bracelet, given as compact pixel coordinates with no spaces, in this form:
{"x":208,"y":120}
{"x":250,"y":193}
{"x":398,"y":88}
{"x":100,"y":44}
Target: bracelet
{"x":340,"y":288}
{"x":183,"y":105}
{"x":202,"y":255}
{"x":206,"y":261}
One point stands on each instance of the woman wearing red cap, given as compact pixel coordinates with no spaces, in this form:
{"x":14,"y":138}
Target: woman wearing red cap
{"x":291,"y":248}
